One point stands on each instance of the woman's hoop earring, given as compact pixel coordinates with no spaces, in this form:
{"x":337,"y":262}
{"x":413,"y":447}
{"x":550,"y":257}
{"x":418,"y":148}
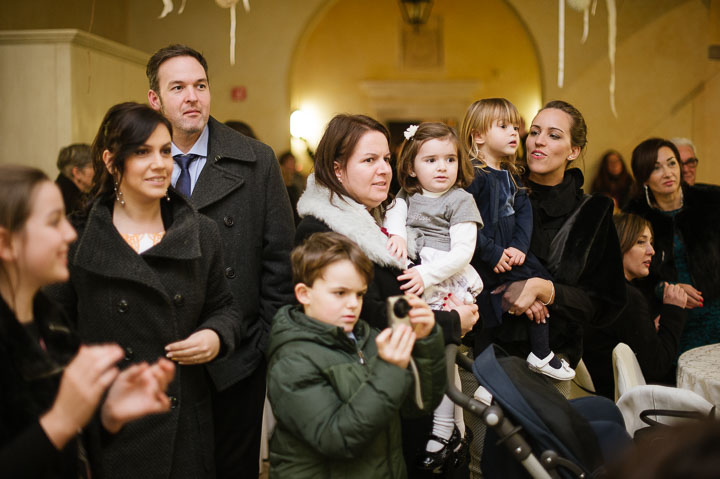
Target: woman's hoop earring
{"x":118,"y":194}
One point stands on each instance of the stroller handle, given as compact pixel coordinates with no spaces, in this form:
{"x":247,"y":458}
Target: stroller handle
{"x":491,"y":415}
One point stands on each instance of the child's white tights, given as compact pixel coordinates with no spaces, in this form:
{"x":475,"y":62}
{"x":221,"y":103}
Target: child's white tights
{"x":445,"y":417}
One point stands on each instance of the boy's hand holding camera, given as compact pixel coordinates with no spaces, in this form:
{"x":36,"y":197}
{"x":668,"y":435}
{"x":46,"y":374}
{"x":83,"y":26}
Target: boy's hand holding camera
{"x":421,"y":316}
{"x":395,"y":344}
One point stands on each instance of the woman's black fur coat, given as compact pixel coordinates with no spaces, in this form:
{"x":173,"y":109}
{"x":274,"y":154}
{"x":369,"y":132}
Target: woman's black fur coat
{"x":699,"y":225}
{"x":575,"y":239}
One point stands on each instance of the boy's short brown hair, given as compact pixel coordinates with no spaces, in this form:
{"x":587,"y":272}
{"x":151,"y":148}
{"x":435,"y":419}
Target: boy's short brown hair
{"x":320,"y":250}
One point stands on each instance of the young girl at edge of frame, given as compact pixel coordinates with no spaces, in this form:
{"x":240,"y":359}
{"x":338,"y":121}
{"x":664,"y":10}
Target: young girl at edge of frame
{"x":490,"y":136}
{"x":442,"y":220}
{"x":50,"y":385}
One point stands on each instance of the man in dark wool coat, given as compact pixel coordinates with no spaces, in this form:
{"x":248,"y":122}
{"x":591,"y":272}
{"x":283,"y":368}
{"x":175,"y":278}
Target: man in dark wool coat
{"x":236,"y":181}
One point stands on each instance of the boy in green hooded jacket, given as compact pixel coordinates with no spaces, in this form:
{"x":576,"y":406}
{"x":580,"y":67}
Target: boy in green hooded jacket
{"x":337,"y":386}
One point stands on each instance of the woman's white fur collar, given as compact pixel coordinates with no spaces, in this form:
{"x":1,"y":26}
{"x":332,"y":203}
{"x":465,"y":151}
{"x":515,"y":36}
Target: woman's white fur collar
{"x":347,"y":217}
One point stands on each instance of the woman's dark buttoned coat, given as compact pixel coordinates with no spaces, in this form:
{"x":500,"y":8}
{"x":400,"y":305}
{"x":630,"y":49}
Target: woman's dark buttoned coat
{"x":144,"y":302}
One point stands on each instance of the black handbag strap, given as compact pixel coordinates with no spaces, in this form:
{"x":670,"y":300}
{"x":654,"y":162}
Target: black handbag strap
{"x":645,"y":415}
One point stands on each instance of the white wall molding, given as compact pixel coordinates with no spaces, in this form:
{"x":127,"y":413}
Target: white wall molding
{"x":74,"y":37}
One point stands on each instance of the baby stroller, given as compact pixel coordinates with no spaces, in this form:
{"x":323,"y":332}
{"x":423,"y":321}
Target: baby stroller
{"x":547,"y":437}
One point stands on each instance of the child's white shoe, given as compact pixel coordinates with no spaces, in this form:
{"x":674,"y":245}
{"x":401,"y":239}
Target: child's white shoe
{"x":563,"y":373}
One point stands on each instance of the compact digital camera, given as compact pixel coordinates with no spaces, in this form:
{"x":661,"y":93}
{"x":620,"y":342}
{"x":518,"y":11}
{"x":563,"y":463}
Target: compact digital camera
{"x":397,"y":310}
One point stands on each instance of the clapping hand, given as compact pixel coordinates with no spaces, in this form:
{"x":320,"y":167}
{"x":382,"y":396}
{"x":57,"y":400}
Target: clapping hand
{"x":137,"y":391}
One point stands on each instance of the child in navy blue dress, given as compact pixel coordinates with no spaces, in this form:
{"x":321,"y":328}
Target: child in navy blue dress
{"x":490,"y":135}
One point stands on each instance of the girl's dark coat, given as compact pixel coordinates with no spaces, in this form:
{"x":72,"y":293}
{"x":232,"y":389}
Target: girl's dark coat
{"x":699,"y":225}
{"x":29,"y":379}
{"x":145,"y":302}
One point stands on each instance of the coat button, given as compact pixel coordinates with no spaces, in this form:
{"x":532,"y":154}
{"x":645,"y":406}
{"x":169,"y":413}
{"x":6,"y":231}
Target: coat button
{"x":122,"y":306}
{"x":229,"y":221}
{"x":173,"y":402}
{"x":178,"y":299}
{"x":129,"y":353}
{"x":229,"y":273}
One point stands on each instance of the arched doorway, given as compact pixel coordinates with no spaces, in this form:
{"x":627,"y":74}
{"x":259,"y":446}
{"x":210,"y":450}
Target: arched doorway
{"x":357,"y":56}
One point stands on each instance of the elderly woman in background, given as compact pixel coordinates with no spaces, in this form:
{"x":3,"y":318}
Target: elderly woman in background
{"x":686,"y":223}
{"x":654,"y":335}
{"x":613,"y":179}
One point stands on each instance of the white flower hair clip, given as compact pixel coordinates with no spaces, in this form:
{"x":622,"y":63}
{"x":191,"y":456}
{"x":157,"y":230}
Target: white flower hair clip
{"x":410,"y":132}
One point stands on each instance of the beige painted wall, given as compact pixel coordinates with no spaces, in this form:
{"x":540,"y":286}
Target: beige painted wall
{"x":266,"y":38}
{"x":56,"y":87}
{"x":346,"y":64}
{"x":108,"y":18}
{"x":666,"y":86}
{"x":665,"y":83}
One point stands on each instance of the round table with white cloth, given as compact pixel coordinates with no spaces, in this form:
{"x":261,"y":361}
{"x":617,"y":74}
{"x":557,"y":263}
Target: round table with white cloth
{"x":699,"y":371}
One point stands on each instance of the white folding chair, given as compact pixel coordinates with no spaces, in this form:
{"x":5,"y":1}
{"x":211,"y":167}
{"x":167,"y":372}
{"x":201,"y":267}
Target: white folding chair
{"x":662,"y":398}
{"x":626,"y":370}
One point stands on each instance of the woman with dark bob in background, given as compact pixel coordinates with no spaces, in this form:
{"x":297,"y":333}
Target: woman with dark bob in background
{"x":147,"y":272}
{"x":686,"y":223}
{"x":651,"y":330}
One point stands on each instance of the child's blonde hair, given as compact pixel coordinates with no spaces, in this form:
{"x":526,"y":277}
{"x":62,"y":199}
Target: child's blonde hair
{"x":410,"y":148}
{"x":479,"y":119}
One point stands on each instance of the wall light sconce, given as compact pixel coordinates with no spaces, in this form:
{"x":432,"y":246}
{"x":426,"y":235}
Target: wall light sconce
{"x":415,"y":12}
{"x":301,"y":125}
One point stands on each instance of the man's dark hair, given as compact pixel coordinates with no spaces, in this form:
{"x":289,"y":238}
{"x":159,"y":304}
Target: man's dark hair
{"x":164,"y":54}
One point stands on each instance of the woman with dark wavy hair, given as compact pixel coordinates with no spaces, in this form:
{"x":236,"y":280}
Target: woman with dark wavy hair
{"x":147,"y":273}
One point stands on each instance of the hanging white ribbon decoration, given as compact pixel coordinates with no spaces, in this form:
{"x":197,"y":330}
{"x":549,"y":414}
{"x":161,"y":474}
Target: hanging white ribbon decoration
{"x":233,"y":21}
{"x":586,"y":6}
{"x":561,"y":43}
{"x":612,"y":36}
{"x":167,"y":8}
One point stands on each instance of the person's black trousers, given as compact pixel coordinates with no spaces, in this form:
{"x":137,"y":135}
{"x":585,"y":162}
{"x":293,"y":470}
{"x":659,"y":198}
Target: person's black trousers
{"x":238,"y":414}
